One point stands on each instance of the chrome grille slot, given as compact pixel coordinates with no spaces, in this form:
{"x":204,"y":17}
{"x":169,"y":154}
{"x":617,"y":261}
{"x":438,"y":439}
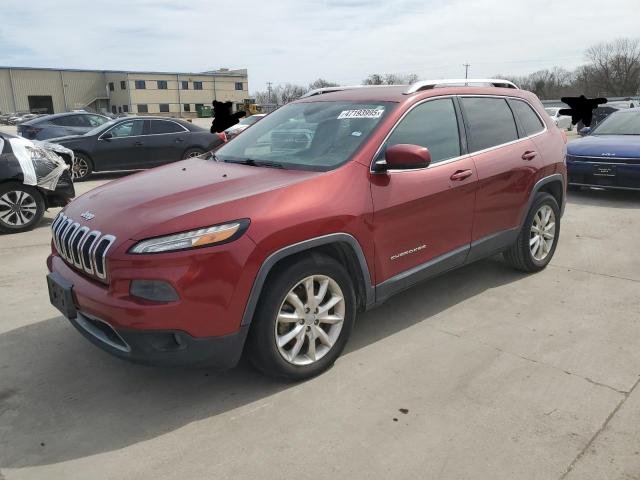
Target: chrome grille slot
{"x":81,"y":247}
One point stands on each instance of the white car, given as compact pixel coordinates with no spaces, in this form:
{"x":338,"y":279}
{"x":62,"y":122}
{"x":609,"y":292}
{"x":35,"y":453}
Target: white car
{"x":241,"y":126}
{"x":562,"y":121}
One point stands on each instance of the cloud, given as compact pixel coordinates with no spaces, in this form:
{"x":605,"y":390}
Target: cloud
{"x":300,"y":40}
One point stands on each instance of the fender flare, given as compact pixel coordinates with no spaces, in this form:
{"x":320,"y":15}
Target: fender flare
{"x":289,"y":250}
{"x":555,"y":177}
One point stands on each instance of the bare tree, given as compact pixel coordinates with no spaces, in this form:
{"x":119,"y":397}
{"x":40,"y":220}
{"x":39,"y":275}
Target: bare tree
{"x":615,"y":67}
{"x":321,"y":83}
{"x":390,"y":79}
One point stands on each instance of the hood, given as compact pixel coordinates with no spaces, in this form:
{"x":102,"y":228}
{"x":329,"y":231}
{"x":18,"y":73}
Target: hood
{"x":607,"y":146}
{"x":178,"y":197}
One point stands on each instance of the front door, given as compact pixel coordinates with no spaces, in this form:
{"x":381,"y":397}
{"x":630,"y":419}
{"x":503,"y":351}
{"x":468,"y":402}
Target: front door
{"x":423,"y":217}
{"x":123,"y":149}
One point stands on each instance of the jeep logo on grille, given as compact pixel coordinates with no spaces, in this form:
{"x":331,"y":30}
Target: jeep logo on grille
{"x":87,"y":215}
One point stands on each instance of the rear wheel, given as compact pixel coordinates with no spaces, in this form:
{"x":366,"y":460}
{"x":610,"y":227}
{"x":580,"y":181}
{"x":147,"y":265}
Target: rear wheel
{"x":304,"y":318}
{"x":82,"y":167}
{"x":538,"y":238}
{"x":21,"y":207}
{"x":192,"y":152}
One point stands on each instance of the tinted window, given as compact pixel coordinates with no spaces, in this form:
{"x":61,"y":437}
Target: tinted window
{"x":111,"y":87}
{"x":160,"y":126}
{"x":527,"y":117}
{"x":140,"y":84}
{"x":238,"y":85}
{"x":142,"y":108}
{"x":164,"y":107}
{"x":433,"y":125}
{"x":185,"y":85}
{"x":127,"y":129}
{"x":162,"y":84}
{"x":123,"y":85}
{"x":490,"y":122}
{"x":187,"y":107}
{"x":69,"y":121}
{"x":125,"y":108}
{"x":197,"y":85}
{"x":95,"y":120}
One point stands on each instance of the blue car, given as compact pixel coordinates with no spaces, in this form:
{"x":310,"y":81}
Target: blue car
{"x":609,"y":154}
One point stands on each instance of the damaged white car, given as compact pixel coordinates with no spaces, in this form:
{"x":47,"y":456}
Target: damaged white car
{"x":34,"y":176}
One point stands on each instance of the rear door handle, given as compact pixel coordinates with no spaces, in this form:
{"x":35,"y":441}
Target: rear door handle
{"x":461,"y":175}
{"x":138,"y":144}
{"x":529,"y":155}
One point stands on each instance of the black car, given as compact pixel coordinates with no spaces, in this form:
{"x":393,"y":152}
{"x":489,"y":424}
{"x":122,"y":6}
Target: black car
{"x":60,"y":124}
{"x":136,"y":143}
{"x":34,"y":176}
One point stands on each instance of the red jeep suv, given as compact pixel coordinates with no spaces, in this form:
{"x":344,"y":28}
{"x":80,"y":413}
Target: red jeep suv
{"x":326,"y":207}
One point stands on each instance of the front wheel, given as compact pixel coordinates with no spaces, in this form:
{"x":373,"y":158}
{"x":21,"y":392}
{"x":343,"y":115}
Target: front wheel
{"x":192,"y":152}
{"x":21,"y":207}
{"x":304,"y":318}
{"x":538,"y":237}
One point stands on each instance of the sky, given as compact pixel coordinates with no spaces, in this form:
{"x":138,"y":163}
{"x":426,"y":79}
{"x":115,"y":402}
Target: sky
{"x":297,"y":41}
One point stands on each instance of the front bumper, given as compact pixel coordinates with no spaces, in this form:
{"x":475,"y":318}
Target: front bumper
{"x":162,"y":347}
{"x":608,"y":174}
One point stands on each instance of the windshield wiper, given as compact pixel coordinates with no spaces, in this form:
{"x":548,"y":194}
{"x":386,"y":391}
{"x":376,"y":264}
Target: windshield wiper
{"x":254,"y":163}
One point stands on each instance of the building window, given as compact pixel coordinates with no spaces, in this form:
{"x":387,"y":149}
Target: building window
{"x":140,"y":85}
{"x":238,"y":85}
{"x":162,"y":84}
{"x":197,"y":85}
{"x":123,"y":85}
{"x":164,"y":107}
{"x":125,"y":108}
{"x":142,"y":108}
{"x":119,"y":109}
{"x":199,"y":106}
{"x":111,"y":87}
{"x":113,"y":109}
{"x":185,"y":85}
{"x":187,"y":107}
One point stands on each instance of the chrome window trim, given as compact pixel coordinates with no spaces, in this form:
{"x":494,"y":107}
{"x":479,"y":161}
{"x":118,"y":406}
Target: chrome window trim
{"x":185,"y":130}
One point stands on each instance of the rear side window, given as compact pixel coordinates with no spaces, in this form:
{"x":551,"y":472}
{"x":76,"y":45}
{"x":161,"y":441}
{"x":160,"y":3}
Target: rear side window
{"x":490,"y":122}
{"x":432,"y":124}
{"x":160,"y":126}
{"x":68,"y":121}
{"x":530,"y":122}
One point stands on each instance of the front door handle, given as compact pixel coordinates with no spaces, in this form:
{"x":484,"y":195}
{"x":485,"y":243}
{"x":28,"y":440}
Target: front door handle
{"x":138,"y":144}
{"x":529,"y":155}
{"x":461,"y":175}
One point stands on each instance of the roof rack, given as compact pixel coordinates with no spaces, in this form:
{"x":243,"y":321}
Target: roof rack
{"x":320,"y":91}
{"x":467,"y":82}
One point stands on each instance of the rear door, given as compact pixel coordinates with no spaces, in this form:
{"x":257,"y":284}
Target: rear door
{"x":124,"y":149}
{"x":424,"y":215}
{"x":507,"y":163}
{"x":166,"y":143}
{"x":71,"y":124}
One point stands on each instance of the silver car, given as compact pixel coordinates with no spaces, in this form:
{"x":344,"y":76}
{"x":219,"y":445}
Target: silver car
{"x":563,"y":122}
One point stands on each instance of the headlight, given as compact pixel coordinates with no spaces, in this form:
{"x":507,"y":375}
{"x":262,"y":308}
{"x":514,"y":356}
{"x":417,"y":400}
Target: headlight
{"x":202,"y":237}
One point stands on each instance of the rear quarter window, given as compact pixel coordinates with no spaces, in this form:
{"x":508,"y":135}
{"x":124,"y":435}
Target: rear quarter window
{"x":490,"y":122}
{"x":528,"y":119}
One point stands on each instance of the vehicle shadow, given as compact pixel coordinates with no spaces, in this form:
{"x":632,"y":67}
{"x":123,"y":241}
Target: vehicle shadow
{"x":605,"y":198}
{"x":61,"y":398}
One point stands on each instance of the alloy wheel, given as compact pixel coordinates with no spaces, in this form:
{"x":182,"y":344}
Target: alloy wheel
{"x":310,"y":320}
{"x":17,"y":208}
{"x":542,"y":233}
{"x":80,"y":168}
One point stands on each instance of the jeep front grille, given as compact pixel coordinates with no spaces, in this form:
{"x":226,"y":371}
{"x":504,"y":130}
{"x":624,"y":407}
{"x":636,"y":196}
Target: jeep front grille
{"x":81,"y":247}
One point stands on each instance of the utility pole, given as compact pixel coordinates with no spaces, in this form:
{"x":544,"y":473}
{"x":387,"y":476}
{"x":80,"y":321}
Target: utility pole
{"x":466,"y":69}
{"x":269,"y":90}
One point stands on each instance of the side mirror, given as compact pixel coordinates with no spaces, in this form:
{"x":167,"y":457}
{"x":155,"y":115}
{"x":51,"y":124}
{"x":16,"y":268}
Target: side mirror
{"x":585,"y":131}
{"x":404,"y":155}
{"x":107,"y":136}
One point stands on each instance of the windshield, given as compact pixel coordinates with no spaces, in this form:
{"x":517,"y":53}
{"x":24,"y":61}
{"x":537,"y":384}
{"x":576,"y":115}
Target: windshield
{"x":250,"y":120}
{"x":99,"y":128}
{"x":309,"y":136}
{"x":623,"y":123}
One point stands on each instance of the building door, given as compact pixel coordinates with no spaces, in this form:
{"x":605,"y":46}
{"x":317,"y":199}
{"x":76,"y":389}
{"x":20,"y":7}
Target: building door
{"x":40,"y":103}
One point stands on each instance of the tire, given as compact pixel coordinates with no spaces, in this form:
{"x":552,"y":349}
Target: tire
{"x":82,"y":167}
{"x":21,"y":207}
{"x":192,"y":152}
{"x":527,"y":254}
{"x":282,"y":360}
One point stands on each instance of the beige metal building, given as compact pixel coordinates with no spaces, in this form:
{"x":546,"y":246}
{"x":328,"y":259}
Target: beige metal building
{"x":42,"y":90}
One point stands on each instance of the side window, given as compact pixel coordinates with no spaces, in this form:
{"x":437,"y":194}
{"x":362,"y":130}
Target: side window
{"x":490,"y":122}
{"x":160,"y":126}
{"x":95,"y":120}
{"x":432,"y":124}
{"x":83,"y":121}
{"x":127,"y":129}
{"x":68,"y":121}
{"x":530,"y":122}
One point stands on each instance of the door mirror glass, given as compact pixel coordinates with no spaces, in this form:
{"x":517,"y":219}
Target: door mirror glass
{"x":403,"y":155}
{"x":585,"y":131}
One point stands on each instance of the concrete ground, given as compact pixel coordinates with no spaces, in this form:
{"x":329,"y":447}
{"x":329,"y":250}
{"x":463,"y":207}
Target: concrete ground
{"x":483,"y":373}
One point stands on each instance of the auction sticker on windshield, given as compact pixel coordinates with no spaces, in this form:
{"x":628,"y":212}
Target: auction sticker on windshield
{"x":362,"y":113}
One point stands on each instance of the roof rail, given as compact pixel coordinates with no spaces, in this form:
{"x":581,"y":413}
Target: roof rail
{"x":320,"y":91}
{"x":448,"y":82}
